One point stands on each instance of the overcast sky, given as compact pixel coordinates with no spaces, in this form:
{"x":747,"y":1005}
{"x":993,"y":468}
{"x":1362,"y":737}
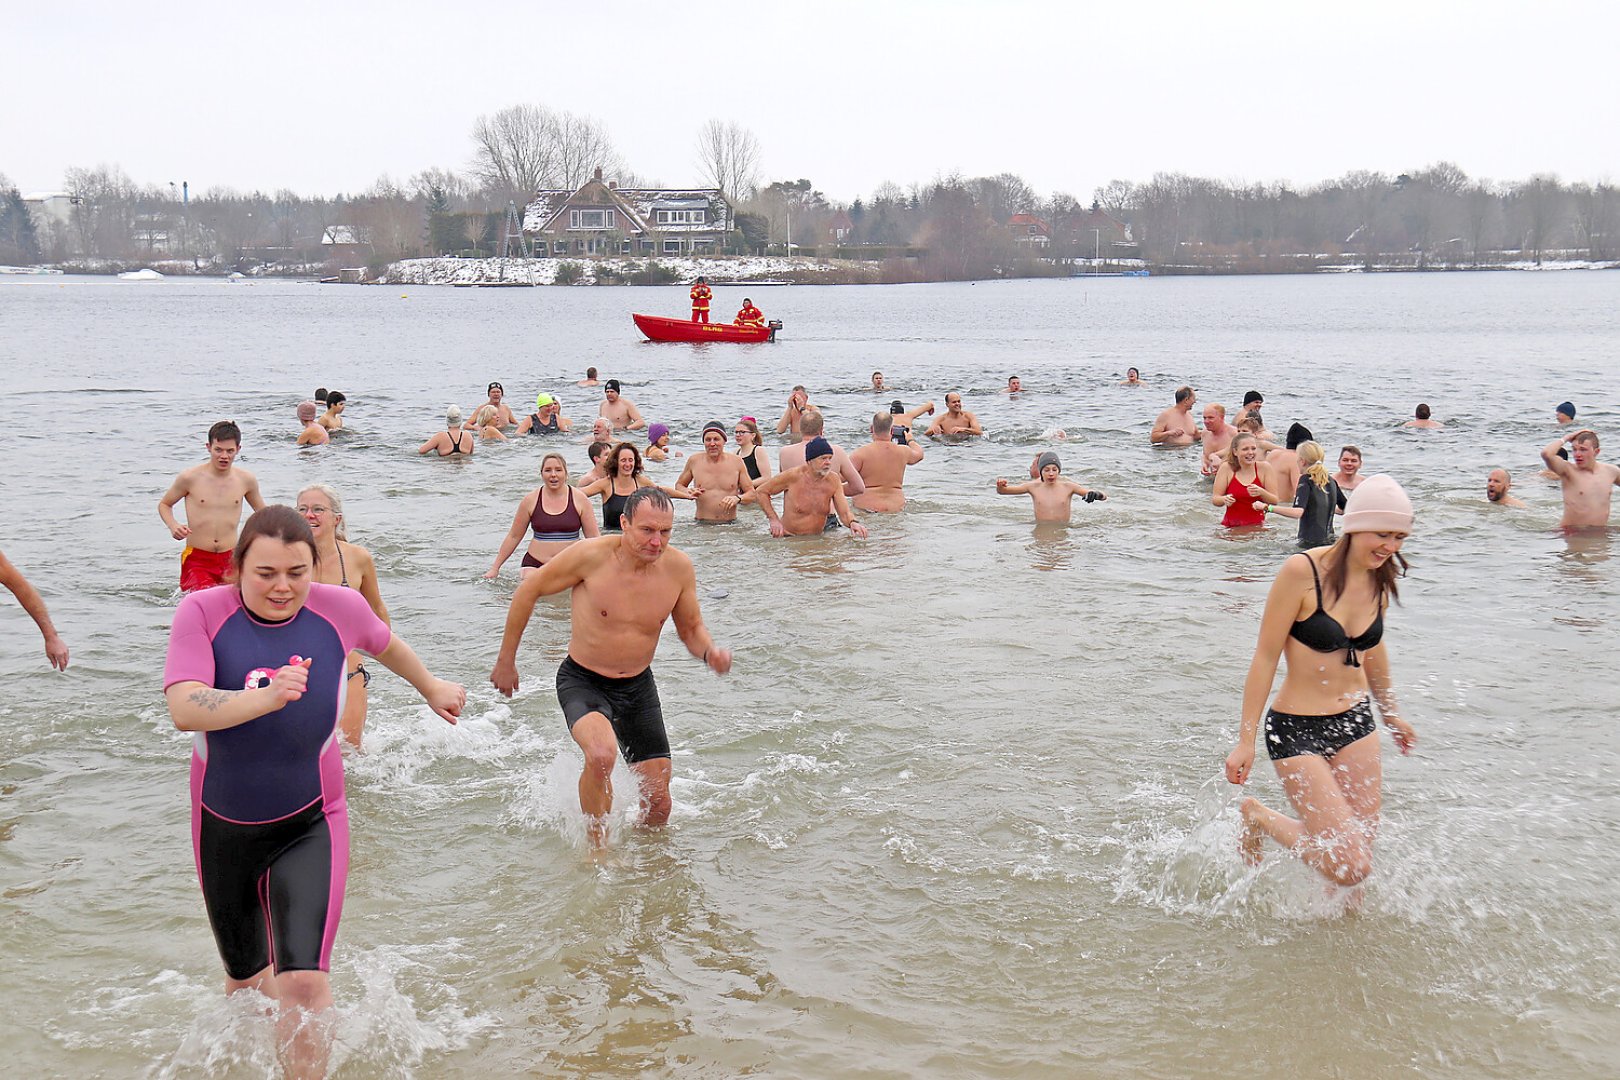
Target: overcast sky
{"x":325,"y":97}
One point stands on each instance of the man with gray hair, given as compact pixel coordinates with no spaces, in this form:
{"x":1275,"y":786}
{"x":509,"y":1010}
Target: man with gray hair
{"x":624,"y":587}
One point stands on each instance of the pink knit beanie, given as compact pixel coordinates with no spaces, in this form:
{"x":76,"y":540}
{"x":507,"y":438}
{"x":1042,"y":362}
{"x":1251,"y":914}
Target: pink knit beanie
{"x":306,"y":411}
{"x":1378,"y":505}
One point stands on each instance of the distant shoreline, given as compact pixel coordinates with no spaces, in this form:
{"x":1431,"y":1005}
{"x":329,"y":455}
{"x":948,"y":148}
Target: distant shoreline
{"x":765,"y":271}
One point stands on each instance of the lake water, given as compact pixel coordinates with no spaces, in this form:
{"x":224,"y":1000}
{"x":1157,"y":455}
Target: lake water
{"x":957,"y":811}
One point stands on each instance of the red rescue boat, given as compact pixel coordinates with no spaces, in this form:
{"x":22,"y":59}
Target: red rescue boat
{"x":658,"y":328}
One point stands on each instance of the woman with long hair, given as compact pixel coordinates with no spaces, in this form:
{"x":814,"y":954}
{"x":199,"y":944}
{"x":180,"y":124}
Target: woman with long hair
{"x":554,"y":513}
{"x":1242,"y":482}
{"x":1320,"y":733}
{"x":1316,"y":500}
{"x":257,"y":670}
{"x":351,"y":566}
{"x":622,"y":482}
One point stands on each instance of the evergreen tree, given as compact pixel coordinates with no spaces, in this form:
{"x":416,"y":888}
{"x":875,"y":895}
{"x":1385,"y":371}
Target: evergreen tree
{"x":19,"y":243}
{"x":445,"y":233}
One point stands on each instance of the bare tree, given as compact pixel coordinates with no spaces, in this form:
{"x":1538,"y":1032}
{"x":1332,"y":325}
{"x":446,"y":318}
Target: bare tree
{"x":523,"y":148}
{"x":728,"y":158}
{"x":1116,"y":197}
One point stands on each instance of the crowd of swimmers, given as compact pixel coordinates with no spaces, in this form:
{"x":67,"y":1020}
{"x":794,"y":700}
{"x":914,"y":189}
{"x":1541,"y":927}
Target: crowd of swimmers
{"x":281,"y":615}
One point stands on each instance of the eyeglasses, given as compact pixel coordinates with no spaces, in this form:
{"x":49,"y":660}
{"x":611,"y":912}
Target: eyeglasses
{"x":314,"y":511}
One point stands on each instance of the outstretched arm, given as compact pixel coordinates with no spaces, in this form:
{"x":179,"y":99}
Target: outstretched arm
{"x":564,"y":572}
{"x":1550,"y":458}
{"x":447,"y":699}
{"x":56,"y":650}
{"x":1004,"y":488}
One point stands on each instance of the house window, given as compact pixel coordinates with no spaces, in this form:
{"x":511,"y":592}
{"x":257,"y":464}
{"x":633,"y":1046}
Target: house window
{"x":672,"y":247}
{"x":560,"y":247}
{"x":682,"y":217}
{"x":649,"y":245}
{"x":590,"y":219}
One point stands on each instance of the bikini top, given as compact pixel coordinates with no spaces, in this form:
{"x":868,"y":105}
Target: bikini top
{"x":1323,"y":633}
{"x":564,"y":525}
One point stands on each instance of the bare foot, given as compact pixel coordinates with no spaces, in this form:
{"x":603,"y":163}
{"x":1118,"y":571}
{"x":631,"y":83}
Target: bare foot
{"x":1249,"y":843}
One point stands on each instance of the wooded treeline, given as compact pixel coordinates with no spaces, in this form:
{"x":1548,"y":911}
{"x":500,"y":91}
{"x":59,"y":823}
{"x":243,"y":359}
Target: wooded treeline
{"x":949,"y":228}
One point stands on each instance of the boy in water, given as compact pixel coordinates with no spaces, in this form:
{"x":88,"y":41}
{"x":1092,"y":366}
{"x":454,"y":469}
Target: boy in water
{"x":213,"y":493}
{"x":1053,"y":493}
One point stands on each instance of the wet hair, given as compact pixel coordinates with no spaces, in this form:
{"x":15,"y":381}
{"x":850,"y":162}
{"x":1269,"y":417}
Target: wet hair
{"x":618,"y":452}
{"x":882,"y":422}
{"x":1251,"y":423}
{"x":650,"y":494}
{"x":278,"y":522}
{"x":1587,"y":436}
{"x":1183,"y":393}
{"x":1232,"y":449}
{"x":1423,"y":412}
{"x":1356,"y":450}
{"x":1010,"y":378}
{"x":334,"y":397}
{"x":748,"y":424}
{"x":590,"y":373}
{"x":562,"y":460}
{"x":875,"y":374}
{"x":483,"y":417}
{"x":1131,"y":369}
{"x":320,"y":395}
{"x":597,"y":449}
{"x":1310,"y":463}
{"x":225,"y":431}
{"x":340,"y":528}
{"x":812,"y":423}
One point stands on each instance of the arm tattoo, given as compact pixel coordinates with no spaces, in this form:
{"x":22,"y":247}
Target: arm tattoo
{"x":210,"y":699}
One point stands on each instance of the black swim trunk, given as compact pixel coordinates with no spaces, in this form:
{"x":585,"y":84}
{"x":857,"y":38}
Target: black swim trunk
{"x":631,"y":706}
{"x":1288,"y":735}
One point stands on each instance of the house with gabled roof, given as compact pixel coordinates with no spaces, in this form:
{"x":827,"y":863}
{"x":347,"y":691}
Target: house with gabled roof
{"x":1030,"y":231}
{"x":602,"y":218}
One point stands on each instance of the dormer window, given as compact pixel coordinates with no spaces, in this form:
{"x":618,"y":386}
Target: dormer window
{"x":591,"y":219}
{"x":682,"y":217}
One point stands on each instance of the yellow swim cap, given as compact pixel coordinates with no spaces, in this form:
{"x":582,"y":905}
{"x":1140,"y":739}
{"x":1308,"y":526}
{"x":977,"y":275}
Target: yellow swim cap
{"x":542,"y":400}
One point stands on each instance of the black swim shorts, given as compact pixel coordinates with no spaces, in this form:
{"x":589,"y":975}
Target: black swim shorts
{"x":1288,"y":735}
{"x":631,"y":706}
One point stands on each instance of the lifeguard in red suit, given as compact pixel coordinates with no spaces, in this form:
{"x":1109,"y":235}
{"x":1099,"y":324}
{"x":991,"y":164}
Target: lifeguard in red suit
{"x":700,"y":300}
{"x":750,"y":315}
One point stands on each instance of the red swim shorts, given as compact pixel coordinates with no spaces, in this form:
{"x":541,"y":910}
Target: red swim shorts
{"x":200,"y":569}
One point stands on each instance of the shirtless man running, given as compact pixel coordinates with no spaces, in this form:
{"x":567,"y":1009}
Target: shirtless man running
{"x":882,"y":465}
{"x":619,"y":411}
{"x":213,"y":492}
{"x":813,"y":490}
{"x":623,"y":588}
{"x":719,"y":481}
{"x":1176,"y":426}
{"x":1588,"y":484}
{"x":1053,"y":494}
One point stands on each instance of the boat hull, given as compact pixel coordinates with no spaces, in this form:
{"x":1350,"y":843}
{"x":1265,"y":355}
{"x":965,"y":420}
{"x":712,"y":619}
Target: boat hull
{"x":658,"y":328}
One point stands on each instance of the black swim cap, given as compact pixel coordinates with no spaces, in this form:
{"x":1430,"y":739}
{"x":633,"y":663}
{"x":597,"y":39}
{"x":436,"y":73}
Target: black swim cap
{"x":611,"y":384}
{"x":895,"y":407}
{"x":1297,"y":434}
{"x":714,"y":425}
{"x":1253,"y":396}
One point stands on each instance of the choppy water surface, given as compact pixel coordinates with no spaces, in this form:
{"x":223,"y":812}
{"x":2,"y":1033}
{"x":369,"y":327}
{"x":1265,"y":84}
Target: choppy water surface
{"x":956,"y":812}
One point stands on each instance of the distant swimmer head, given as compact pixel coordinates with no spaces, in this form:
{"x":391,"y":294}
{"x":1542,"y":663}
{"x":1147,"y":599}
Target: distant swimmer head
{"x":1253,"y":396}
{"x":452,"y":415}
{"x":1423,"y":412}
{"x":655,"y":432}
{"x":896,"y":407}
{"x":1566,"y":412}
{"x":1298,"y":433}
{"x":1378,"y":505}
{"x":306,"y":411}
{"x":817,"y":447}
{"x":1048,"y":458}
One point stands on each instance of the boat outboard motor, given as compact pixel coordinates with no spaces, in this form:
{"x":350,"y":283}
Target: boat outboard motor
{"x":773,"y":326}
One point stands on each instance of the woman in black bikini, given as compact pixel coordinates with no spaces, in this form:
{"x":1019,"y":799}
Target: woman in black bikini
{"x":349,"y":565}
{"x":554,"y":513}
{"x":1320,"y":733}
{"x":755,"y":458}
{"x":453,"y":440}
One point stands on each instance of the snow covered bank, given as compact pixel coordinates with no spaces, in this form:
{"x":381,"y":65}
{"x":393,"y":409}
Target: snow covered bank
{"x":544,"y":271}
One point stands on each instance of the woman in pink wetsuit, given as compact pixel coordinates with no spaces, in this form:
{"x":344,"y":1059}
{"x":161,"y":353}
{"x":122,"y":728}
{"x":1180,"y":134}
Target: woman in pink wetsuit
{"x":257,"y":670}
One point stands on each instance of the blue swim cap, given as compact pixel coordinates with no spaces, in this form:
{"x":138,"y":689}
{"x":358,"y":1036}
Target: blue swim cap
{"x":816,"y":447}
